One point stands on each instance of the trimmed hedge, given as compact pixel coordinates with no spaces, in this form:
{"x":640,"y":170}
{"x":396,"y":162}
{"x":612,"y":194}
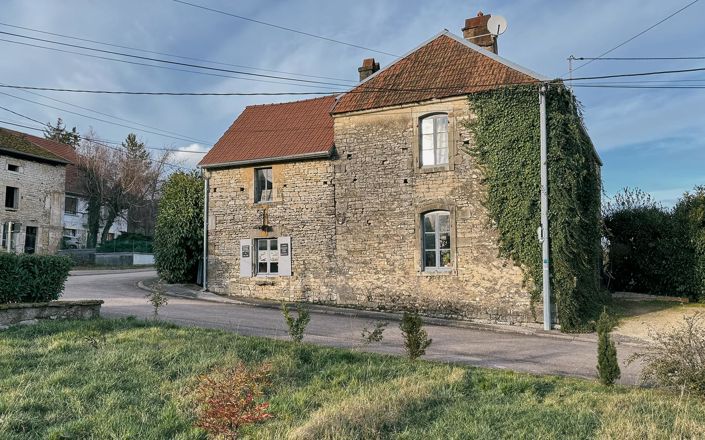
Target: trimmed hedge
{"x":32,"y":278}
{"x":127,"y":243}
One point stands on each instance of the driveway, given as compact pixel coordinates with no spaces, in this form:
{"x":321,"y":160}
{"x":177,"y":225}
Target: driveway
{"x":479,"y":347}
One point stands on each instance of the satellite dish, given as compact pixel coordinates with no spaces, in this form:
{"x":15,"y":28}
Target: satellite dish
{"x":497,"y":25}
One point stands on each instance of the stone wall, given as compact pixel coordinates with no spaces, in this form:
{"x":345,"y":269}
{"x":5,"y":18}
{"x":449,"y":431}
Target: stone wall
{"x":381,"y":194}
{"x":355,"y":224}
{"x":302,"y":208}
{"x":25,"y":314}
{"x":41,"y":205}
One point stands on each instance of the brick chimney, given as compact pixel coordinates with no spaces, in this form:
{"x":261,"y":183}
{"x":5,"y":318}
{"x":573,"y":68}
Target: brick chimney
{"x":369,"y":66}
{"x":475,"y":31}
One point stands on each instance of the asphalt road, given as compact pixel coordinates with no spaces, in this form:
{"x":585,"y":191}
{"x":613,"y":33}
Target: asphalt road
{"x":519,"y":352}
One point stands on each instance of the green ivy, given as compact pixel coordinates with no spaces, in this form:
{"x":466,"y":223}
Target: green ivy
{"x":178,"y":235}
{"x":506,"y":145}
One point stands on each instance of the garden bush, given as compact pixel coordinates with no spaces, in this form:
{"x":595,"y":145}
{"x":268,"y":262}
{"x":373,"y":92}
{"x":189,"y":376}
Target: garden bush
{"x":297,"y":325}
{"x":677,"y":359}
{"x":32,"y":278}
{"x":178,"y":238}
{"x":416,"y":340}
{"x":231,"y":398}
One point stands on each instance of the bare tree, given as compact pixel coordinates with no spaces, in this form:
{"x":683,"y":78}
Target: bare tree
{"x":116,"y":180}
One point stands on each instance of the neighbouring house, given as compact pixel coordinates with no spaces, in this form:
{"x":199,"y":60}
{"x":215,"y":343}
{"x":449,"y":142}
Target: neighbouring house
{"x":75,"y":215}
{"x":368,"y":198}
{"x":32,"y":179}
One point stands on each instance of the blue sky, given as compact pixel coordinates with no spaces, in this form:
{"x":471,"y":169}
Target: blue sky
{"x":652,"y":139}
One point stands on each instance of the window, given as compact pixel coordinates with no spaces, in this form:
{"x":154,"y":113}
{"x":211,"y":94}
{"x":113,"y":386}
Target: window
{"x":434,"y":140}
{"x":71,"y":205}
{"x":12,"y":197}
{"x":436,"y":241}
{"x":69,"y":232}
{"x":13,"y":168}
{"x":10,"y":231}
{"x":267,"y":256}
{"x":263,"y":185}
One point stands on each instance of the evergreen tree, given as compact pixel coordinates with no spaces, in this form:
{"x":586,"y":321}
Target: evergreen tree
{"x":60,"y":133}
{"x":136,"y":150}
{"x":607,"y":364}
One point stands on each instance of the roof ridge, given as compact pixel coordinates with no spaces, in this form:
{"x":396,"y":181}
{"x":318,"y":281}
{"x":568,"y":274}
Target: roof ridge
{"x":291,"y":102}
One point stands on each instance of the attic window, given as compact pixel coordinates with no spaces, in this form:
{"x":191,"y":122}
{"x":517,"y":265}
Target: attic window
{"x":434,"y":140}
{"x":13,"y":168}
{"x":263,"y":185}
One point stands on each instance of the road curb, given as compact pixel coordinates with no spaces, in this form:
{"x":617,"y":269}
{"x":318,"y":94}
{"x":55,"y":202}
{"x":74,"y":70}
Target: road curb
{"x":396,"y":316}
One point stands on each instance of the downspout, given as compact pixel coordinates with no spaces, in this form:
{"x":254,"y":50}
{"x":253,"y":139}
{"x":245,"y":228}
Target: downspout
{"x":206,"y":190}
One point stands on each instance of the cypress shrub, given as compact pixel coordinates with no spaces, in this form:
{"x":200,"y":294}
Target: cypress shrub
{"x":32,"y":278}
{"x":607,"y":364}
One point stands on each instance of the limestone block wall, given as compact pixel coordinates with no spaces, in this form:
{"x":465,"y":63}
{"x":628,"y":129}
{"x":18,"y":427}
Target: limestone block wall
{"x":302,"y":207}
{"x":41,"y":205}
{"x":355,"y":223}
{"x":381,"y":193}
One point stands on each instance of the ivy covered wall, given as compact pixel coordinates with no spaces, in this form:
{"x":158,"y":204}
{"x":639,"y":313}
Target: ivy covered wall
{"x":506,"y":145}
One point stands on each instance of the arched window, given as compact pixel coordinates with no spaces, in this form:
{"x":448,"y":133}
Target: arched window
{"x":434,"y":140}
{"x":436,"y":241}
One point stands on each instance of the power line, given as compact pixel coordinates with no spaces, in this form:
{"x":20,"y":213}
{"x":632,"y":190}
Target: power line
{"x":95,"y":119}
{"x":638,"y":35}
{"x":87,"y":40}
{"x":100,"y":141}
{"x":200,"y":141}
{"x":136,"y":63}
{"x":615,"y":86}
{"x":176,"y":63}
{"x":361,"y":89}
{"x":636,"y":58}
{"x":276,"y":26}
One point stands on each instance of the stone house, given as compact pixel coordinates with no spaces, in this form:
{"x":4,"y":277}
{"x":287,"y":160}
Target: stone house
{"x":32,"y":179}
{"x":368,"y":198}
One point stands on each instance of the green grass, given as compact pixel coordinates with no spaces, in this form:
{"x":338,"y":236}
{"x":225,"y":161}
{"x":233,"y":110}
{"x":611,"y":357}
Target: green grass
{"x":134,"y":381}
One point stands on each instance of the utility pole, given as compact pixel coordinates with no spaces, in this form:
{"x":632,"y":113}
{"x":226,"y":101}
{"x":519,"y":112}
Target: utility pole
{"x":547,"y":319}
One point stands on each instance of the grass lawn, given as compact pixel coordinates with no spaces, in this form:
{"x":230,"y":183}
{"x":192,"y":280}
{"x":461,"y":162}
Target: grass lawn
{"x":128,"y":379}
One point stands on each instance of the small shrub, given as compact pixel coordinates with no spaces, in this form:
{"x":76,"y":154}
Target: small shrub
{"x":158,"y":298}
{"x":607,"y":363}
{"x":228,"y":399}
{"x":677,"y":359}
{"x":416,"y":339}
{"x":375,"y":334}
{"x":32,"y":278}
{"x":296,"y":325}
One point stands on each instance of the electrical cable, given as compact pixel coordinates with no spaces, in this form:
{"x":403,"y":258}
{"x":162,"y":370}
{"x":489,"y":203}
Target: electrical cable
{"x":87,"y":40}
{"x":320,"y":37}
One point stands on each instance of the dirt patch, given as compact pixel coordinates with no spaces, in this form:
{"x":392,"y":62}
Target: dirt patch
{"x":642,"y":319}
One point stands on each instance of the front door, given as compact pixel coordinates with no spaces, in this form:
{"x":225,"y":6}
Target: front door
{"x":30,"y":239}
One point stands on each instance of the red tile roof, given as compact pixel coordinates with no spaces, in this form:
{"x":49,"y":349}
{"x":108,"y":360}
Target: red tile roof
{"x":36,"y":146}
{"x":275,"y":131}
{"x":445,"y":66}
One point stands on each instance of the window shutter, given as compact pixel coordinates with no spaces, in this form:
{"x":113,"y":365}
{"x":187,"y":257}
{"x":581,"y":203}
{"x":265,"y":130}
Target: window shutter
{"x":246,"y":258}
{"x":284,"y":256}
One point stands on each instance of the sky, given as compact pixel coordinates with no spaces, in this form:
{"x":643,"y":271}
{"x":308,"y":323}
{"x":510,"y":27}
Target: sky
{"x":653,"y":139}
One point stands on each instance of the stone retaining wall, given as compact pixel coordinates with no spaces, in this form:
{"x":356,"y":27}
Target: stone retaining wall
{"x":26,"y":313}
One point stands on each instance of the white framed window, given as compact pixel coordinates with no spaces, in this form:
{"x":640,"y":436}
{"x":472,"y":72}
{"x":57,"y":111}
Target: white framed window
{"x":267,"y":256}
{"x":12,"y":197}
{"x":436,"y":254}
{"x":434,"y":140}
{"x":263,"y":185}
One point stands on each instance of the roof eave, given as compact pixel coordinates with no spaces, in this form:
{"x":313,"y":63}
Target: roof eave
{"x":304,"y":156}
{"x":35,"y":156}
